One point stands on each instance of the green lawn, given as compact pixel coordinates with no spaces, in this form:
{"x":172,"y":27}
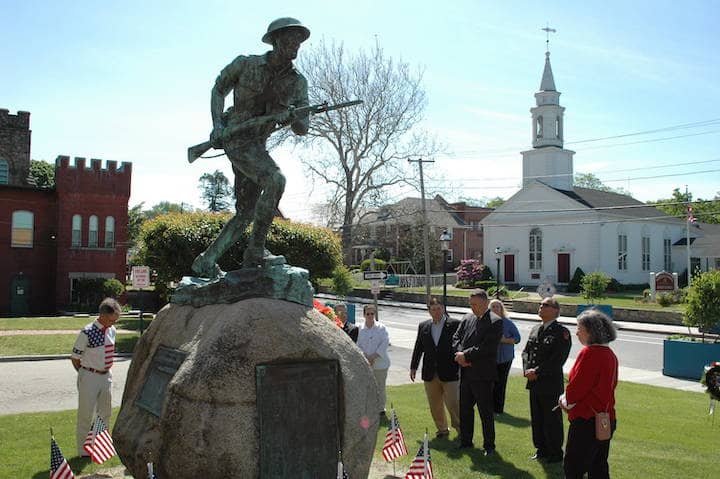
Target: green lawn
{"x":662,"y":433}
{"x":621,"y":300}
{"x":66,"y":322}
{"x":55,"y":344}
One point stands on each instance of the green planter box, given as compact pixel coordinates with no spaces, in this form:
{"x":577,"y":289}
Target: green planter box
{"x":686,"y":359}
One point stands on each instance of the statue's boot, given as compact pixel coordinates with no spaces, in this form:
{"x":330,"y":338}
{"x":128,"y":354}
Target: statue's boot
{"x":205,"y":267}
{"x":255,"y":257}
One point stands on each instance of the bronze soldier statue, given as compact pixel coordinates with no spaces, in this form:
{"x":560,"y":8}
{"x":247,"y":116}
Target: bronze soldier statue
{"x":267,"y":91}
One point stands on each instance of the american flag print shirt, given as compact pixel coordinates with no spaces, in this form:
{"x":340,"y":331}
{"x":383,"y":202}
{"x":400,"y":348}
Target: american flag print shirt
{"x":95,"y":346}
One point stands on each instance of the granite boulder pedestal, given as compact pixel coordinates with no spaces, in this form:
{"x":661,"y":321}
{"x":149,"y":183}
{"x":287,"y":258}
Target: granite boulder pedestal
{"x":247,"y":389}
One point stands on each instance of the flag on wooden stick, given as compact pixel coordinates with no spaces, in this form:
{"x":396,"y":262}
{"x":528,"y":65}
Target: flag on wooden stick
{"x":421,"y":467}
{"x":59,"y":467}
{"x":394,"y":441}
{"x":98,"y":443}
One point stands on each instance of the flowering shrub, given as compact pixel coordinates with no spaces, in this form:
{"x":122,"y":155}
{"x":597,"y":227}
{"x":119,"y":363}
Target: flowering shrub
{"x":472,"y":271}
{"x":327,"y":311}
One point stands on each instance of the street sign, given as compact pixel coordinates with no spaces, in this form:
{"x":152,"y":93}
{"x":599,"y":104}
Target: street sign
{"x":140,"y":276}
{"x":370,"y":275}
{"x":375,"y":287}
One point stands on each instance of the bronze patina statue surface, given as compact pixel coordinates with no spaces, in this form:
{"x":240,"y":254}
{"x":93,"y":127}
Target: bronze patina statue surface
{"x":266,"y":88}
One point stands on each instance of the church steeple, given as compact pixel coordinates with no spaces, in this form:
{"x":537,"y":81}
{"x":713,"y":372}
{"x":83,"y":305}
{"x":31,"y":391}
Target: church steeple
{"x":548,"y":161}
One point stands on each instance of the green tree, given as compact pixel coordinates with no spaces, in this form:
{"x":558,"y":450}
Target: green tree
{"x":135,"y":221}
{"x":594,"y":285}
{"x":706,"y":211}
{"x":494,"y":202}
{"x":169,"y":244}
{"x":43,"y":173}
{"x":165,"y":207}
{"x":215,"y":191}
{"x":589,"y":180}
{"x":703,"y":301}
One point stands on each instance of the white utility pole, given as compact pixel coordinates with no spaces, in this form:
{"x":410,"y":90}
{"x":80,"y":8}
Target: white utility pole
{"x":426,"y":228}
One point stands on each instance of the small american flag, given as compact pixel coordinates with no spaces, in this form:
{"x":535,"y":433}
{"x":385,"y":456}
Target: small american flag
{"x":394,"y":441}
{"x":691,"y":218}
{"x":341,"y":474}
{"x":421,"y":467}
{"x":98,"y":443}
{"x":59,"y":467}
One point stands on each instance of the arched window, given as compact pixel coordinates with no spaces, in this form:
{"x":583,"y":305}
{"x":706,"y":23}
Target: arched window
{"x":109,"y":232}
{"x":22,"y":229}
{"x":93,"y":232}
{"x":4,"y":172}
{"x":535,"y":249}
{"x":539,"y":127}
{"x":76,"y":231}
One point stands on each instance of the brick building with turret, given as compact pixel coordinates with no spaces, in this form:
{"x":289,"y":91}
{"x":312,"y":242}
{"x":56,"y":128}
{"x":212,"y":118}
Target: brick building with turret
{"x":51,"y":237}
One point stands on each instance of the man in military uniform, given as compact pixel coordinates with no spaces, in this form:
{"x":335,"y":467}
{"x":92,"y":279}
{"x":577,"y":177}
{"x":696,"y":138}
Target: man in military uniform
{"x":545,"y":353}
{"x":265,"y":87}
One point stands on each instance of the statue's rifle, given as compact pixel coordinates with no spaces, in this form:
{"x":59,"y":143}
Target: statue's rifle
{"x":196,"y":151}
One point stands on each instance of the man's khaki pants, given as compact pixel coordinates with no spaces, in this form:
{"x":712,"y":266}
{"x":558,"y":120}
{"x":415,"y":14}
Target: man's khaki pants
{"x":445,"y":394}
{"x":380,"y":380}
{"x":94,"y":396}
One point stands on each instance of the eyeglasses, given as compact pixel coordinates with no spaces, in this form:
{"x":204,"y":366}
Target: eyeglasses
{"x":369,"y":313}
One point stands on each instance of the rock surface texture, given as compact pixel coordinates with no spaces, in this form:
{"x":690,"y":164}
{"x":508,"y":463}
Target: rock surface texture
{"x":208,"y":426}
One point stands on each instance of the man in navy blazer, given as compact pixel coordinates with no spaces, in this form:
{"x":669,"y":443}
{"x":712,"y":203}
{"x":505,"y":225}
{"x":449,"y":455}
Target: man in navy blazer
{"x":439,"y":369}
{"x":476,"y":344}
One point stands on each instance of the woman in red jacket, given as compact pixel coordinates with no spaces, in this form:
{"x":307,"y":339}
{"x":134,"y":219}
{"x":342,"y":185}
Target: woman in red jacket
{"x":591,"y":389}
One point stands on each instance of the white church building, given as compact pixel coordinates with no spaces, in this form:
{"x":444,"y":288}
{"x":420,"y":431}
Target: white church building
{"x":549,"y":228}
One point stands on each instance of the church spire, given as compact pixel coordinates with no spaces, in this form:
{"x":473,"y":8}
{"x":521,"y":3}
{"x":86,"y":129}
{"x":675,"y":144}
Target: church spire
{"x":548,"y":82}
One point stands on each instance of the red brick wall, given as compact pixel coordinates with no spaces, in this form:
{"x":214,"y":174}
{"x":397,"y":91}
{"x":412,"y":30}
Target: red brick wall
{"x":36,"y":263}
{"x":90,"y":191}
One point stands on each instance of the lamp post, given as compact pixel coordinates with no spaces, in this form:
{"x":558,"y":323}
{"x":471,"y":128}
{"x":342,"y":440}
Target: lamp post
{"x":445,"y":246}
{"x":498,"y":253}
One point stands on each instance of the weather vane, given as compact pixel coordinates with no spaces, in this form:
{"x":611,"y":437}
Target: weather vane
{"x":547,"y":31}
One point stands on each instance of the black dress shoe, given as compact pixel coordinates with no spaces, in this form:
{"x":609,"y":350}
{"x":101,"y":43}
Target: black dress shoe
{"x":489,"y":452}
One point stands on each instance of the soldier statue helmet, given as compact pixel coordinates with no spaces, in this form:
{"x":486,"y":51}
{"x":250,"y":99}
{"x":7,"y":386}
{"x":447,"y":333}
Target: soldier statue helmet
{"x":285,"y":23}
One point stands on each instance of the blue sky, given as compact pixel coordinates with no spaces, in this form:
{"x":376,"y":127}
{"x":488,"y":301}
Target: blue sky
{"x":131,"y":80}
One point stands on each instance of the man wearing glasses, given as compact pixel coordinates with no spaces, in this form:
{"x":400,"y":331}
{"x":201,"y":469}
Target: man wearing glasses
{"x":373,"y":341}
{"x":545,"y":353}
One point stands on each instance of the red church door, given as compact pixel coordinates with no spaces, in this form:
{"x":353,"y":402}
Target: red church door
{"x":509,"y":276}
{"x":563,"y":267}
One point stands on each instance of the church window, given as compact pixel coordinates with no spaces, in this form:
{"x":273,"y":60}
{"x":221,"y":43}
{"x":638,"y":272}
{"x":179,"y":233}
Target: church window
{"x":535,"y":249}
{"x":4,"y":172}
{"x":622,"y":252}
{"x":22,"y":229}
{"x":558,"y":128}
{"x":76,"y":231}
{"x":109,"y":232}
{"x":93,"y":232}
{"x":667,"y":254}
{"x":645,"y":257}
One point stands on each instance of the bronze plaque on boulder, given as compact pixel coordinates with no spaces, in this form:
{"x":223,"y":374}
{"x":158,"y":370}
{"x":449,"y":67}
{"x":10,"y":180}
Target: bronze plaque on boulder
{"x":298,"y":413}
{"x":165,"y":363}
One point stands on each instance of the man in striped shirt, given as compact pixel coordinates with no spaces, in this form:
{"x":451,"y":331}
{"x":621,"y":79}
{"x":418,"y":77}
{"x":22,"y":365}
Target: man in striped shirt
{"x":92,"y":358}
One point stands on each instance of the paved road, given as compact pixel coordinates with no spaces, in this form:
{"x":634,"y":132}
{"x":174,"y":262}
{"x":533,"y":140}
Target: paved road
{"x":31,"y":386}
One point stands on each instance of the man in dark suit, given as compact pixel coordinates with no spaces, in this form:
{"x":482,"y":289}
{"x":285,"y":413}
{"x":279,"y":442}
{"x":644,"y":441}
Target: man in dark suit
{"x":545,"y":353}
{"x":476,"y":344}
{"x":439,"y":369}
{"x":349,"y":328}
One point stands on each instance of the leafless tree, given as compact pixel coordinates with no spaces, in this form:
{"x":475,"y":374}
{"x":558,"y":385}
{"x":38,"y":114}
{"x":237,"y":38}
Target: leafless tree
{"x":360,"y":152}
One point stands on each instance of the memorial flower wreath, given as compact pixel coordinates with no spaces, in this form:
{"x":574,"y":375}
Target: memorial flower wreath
{"x":327,"y":311}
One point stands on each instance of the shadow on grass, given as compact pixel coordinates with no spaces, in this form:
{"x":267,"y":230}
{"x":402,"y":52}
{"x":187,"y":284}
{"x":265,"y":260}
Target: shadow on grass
{"x":493,"y":465}
{"x":513,"y":421}
{"x":77,"y":464}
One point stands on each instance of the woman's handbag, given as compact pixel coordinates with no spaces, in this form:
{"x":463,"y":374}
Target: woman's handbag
{"x":603,"y":430}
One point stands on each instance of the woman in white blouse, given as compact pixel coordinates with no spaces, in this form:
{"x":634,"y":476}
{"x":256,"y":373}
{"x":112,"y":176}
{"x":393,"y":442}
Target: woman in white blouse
{"x":373,"y":341}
